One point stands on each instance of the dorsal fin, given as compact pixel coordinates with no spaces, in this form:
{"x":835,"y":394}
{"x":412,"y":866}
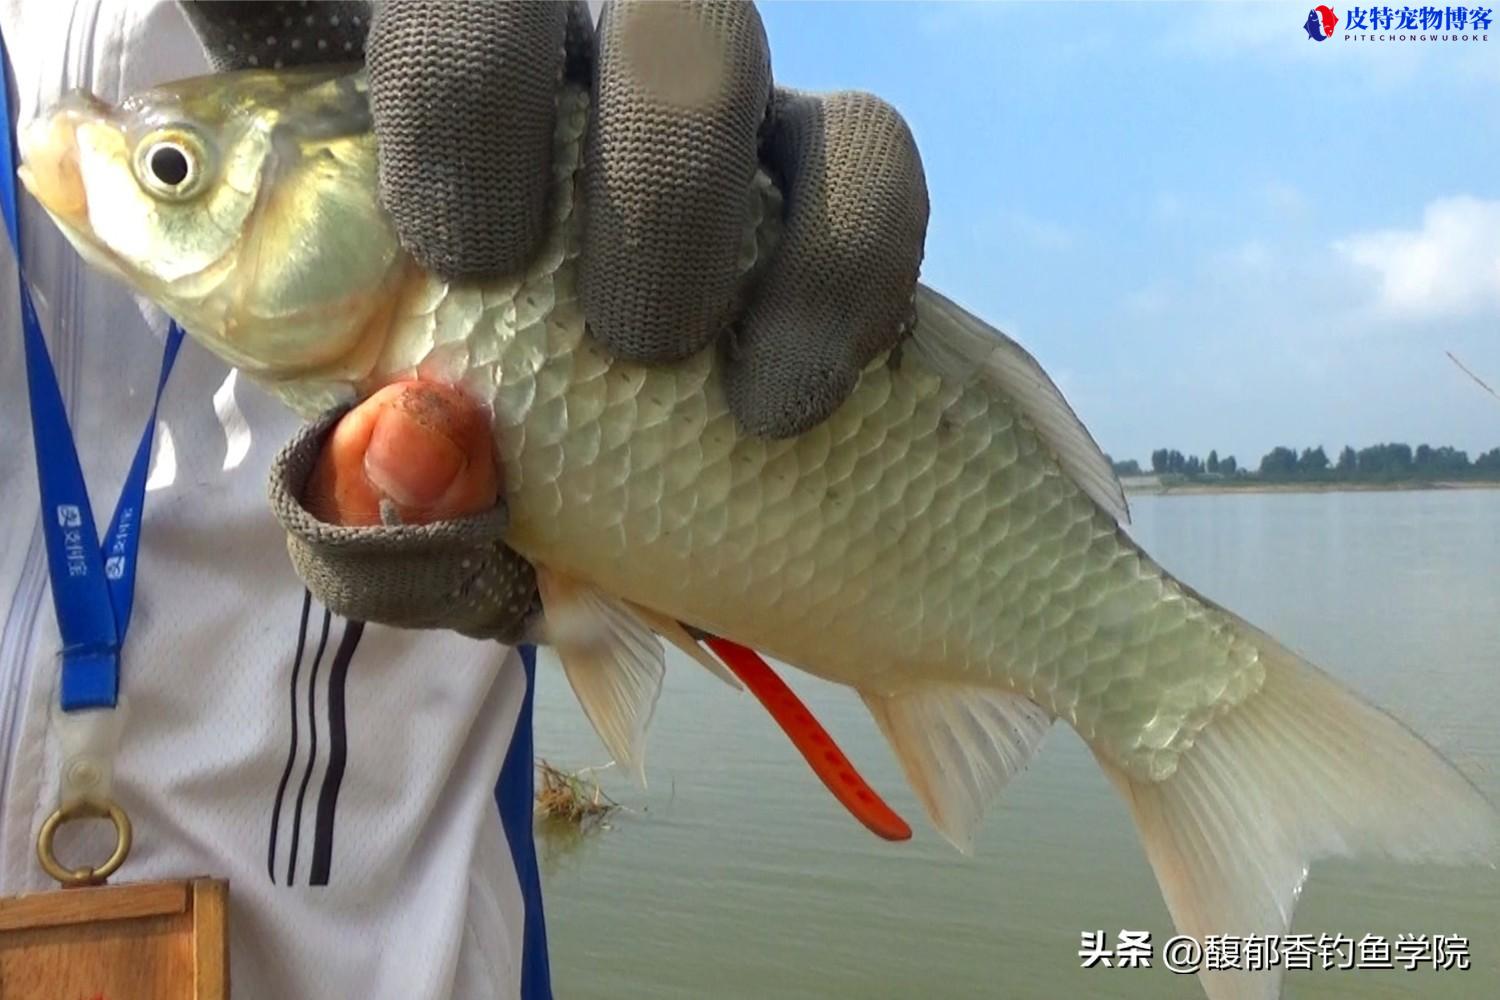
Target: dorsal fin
{"x":962,"y":347}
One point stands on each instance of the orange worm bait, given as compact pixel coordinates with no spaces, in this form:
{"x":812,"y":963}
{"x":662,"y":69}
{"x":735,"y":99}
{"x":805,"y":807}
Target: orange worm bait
{"x":811,"y":740}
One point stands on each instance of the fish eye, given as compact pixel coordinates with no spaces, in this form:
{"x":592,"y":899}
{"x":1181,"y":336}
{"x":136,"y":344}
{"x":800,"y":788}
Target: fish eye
{"x":170,"y":165}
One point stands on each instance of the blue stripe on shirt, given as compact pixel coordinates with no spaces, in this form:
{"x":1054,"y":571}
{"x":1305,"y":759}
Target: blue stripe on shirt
{"x":514,"y":795}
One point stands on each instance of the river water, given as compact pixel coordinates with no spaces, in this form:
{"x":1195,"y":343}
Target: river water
{"x":737,"y":875}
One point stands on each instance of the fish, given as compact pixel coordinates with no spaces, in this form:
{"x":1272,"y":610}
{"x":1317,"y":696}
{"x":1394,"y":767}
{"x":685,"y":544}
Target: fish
{"x":951,"y":543}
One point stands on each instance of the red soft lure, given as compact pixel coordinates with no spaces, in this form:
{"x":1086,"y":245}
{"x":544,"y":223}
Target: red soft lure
{"x":811,"y":740}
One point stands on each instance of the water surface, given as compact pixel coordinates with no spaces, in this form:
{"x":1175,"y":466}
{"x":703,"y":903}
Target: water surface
{"x":737,"y":875}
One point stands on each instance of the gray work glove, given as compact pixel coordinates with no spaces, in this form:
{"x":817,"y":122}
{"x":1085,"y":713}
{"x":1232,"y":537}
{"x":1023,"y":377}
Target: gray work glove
{"x":456,"y":574}
{"x":684,"y":113}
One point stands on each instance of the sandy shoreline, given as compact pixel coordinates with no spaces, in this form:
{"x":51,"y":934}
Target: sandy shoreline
{"x":1183,"y":489}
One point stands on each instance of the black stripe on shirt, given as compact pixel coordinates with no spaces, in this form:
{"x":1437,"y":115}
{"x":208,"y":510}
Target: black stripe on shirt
{"x":291,"y":756}
{"x":338,"y":752}
{"x":312,"y":751}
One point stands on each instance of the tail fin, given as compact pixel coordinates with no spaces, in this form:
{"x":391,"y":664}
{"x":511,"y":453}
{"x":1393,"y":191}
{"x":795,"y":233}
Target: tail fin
{"x":1303,"y":769}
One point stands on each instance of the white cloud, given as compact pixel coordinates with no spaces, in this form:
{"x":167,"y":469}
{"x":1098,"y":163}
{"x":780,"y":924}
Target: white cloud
{"x":1290,"y":337}
{"x":1450,"y":267}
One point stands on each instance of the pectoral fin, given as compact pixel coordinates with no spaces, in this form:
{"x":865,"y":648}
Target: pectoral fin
{"x":612,"y":659}
{"x":959,"y":746}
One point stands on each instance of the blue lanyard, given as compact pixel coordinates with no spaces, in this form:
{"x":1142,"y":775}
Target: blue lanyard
{"x":93,"y":587}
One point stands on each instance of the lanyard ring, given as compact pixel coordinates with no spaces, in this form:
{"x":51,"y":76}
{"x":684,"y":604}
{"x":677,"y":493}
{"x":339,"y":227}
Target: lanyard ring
{"x":86,"y":875}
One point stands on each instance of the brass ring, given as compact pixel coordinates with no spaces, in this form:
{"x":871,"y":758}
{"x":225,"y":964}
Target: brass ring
{"x":83,"y":809}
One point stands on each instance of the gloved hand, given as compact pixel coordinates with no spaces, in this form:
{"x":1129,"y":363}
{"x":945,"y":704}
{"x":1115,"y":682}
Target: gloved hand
{"x":452,"y":572}
{"x":684,"y":112}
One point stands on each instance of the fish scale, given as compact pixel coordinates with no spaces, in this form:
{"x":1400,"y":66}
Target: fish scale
{"x":946,"y":543}
{"x":924,"y":533}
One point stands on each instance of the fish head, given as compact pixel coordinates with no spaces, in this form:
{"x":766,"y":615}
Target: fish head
{"x":244,"y":204}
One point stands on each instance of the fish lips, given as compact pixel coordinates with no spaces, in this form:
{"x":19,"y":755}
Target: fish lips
{"x":49,"y":165}
{"x":51,"y":172}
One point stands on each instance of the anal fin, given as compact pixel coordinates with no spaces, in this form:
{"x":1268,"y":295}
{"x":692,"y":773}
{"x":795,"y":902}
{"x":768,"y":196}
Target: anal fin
{"x":612,"y":659}
{"x":959,"y":745}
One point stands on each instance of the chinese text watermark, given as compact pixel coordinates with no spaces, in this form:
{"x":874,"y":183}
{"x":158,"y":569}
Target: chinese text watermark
{"x":1261,"y":952}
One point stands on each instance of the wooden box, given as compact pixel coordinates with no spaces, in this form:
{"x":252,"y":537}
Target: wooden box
{"x":148,"y":941}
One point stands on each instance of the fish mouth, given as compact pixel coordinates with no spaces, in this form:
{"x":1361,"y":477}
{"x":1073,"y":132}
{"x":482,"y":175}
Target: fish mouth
{"x":50,"y":166}
{"x":51,"y":171}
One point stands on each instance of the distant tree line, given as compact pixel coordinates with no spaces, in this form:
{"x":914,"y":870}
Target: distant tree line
{"x":1381,"y":463}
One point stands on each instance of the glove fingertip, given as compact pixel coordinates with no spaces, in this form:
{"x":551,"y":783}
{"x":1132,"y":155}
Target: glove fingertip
{"x":785,"y":380}
{"x":464,"y":101}
{"x":680,"y":95}
{"x":838,"y":290}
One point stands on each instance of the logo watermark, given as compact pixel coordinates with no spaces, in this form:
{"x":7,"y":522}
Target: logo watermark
{"x":1400,"y":24}
{"x":1321,"y":21}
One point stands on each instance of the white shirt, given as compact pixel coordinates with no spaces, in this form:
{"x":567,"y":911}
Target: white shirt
{"x":364,"y":848}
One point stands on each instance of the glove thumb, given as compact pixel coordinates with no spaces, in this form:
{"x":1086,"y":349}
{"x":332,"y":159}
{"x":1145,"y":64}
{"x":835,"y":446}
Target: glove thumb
{"x":416,"y":452}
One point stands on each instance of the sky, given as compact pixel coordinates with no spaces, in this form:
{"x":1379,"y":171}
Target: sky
{"x":1213,"y":231}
